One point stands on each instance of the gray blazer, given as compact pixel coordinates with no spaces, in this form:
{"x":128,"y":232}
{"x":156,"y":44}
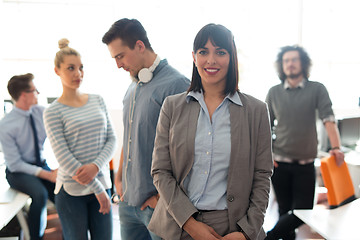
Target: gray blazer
{"x":249,"y":171}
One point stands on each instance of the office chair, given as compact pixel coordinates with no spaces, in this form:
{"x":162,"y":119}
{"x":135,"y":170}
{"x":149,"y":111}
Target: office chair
{"x":338,"y":182}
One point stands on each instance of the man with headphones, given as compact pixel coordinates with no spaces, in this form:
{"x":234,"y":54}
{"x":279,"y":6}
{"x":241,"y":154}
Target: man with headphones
{"x":153,"y":80}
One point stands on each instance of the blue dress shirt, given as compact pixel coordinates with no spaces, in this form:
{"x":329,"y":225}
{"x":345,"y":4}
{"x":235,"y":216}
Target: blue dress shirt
{"x":206,"y":183}
{"x":17,"y":139}
{"x":142,"y":104}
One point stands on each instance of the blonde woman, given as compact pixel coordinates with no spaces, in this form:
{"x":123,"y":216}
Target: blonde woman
{"x":83,"y":141}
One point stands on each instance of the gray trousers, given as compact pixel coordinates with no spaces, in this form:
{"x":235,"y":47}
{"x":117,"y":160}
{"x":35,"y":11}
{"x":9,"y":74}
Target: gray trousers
{"x":218,"y":220}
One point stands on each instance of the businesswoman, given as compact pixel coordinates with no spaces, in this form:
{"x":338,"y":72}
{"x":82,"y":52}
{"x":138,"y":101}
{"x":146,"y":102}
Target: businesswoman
{"x":83,"y":140}
{"x":212,"y":156}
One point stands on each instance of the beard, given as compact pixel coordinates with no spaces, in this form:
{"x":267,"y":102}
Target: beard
{"x":294,"y":75}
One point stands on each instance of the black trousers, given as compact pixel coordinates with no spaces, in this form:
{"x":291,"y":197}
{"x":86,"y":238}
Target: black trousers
{"x":294,"y":187}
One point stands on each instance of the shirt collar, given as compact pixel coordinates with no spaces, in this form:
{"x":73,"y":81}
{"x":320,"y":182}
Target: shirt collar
{"x":300,"y":84}
{"x":199,"y":95}
{"x":25,"y":113}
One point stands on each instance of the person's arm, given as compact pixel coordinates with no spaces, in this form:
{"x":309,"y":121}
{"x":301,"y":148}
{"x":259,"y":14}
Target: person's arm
{"x":55,"y":132}
{"x":326,"y":114}
{"x":151,"y":202}
{"x":270,"y":109}
{"x":12,"y":156}
{"x":272,"y":118}
{"x":109,"y":148}
{"x":48,"y":175}
{"x":16,"y":164}
{"x":179,"y":85}
{"x":86,"y":173}
{"x":253,"y":220}
{"x":118,"y":176}
{"x":334,"y":137}
{"x":198,"y":230}
{"x":235,"y":236}
{"x":178,"y":204}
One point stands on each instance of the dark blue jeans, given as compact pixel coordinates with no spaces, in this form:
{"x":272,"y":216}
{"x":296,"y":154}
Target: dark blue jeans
{"x":294,"y":187}
{"x":134,"y":222}
{"x":78,"y":214}
{"x":40,"y":191}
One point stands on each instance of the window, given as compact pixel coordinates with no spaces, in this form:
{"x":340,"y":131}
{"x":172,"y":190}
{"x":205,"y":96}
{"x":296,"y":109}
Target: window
{"x":33,"y":27}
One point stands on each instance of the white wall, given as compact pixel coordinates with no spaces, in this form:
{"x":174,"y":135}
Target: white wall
{"x":2,"y":82}
{"x":30,"y":30}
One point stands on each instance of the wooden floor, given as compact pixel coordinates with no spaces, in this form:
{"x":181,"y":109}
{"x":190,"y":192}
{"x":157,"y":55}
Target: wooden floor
{"x":53,"y":229}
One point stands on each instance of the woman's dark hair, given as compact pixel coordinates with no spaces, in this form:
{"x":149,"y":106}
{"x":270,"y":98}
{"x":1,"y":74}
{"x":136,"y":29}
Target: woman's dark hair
{"x":18,"y":84}
{"x":222,"y":37}
{"x":304,"y":59}
{"x":129,"y":31}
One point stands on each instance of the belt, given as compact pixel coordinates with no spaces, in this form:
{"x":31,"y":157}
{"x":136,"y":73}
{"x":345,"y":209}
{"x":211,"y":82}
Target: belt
{"x":199,"y":210}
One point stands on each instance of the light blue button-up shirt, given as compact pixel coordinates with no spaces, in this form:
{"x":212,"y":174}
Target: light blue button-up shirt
{"x":17,"y":139}
{"x":142,"y":104}
{"x":206,"y":183}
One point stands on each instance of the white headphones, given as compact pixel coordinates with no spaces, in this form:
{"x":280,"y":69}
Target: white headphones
{"x":145,"y":75}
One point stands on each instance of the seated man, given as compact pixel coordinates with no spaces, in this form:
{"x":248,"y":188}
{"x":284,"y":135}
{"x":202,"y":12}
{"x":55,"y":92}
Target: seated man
{"x":22,"y":137}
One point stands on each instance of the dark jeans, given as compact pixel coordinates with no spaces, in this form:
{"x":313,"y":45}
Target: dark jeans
{"x":78,"y":214}
{"x":294,"y":187}
{"x":40,"y":191}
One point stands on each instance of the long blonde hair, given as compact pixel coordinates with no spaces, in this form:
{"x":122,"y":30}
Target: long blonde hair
{"x":65,"y":50}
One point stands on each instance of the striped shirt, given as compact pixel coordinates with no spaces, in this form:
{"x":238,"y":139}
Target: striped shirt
{"x":79,"y":136}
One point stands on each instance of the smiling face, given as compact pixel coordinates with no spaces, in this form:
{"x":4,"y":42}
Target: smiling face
{"x":212,"y":63}
{"x":71,"y":72}
{"x":128,"y":59}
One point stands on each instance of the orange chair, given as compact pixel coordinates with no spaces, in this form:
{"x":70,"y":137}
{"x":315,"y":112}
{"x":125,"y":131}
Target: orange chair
{"x":111,"y":166}
{"x":338,"y":182}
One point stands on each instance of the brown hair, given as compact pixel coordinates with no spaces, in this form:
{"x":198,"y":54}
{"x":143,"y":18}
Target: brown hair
{"x":18,"y":84}
{"x":129,"y":31}
{"x":304,"y":58}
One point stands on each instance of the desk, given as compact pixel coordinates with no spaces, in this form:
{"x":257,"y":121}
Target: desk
{"x":339,"y":223}
{"x":9,"y":209}
{"x":353,"y":161}
{"x":11,"y":202}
